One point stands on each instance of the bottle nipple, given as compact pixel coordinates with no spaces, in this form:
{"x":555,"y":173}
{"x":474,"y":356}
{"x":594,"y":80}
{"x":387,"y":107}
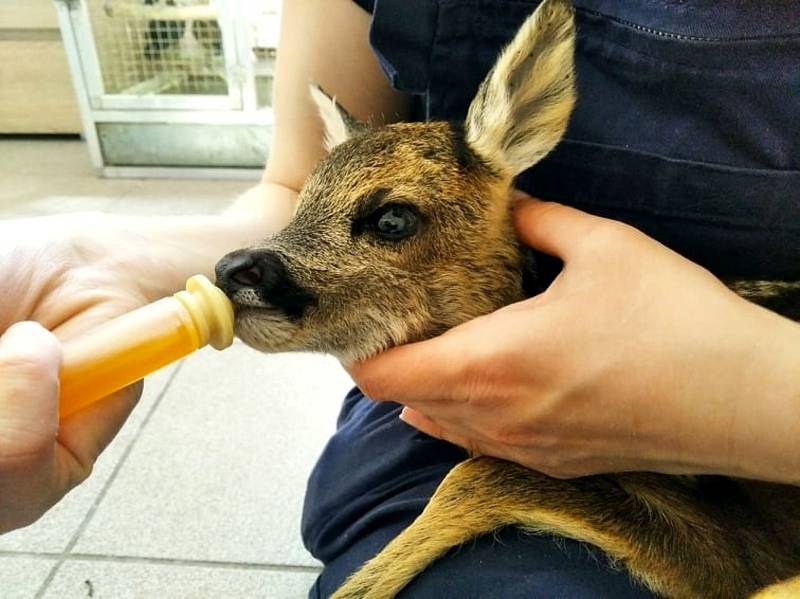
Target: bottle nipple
{"x":211,"y":312}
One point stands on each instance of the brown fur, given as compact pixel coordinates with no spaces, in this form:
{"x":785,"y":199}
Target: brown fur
{"x":683,"y":537}
{"x":357,"y":278}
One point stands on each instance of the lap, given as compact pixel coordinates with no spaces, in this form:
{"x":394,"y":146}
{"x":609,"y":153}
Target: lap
{"x":376,"y":475}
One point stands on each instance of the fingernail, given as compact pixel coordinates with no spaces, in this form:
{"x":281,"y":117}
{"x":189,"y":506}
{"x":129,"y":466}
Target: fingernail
{"x":404,"y":415}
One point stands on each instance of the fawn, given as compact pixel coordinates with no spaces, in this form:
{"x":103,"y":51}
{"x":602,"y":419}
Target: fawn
{"x":404,"y":231}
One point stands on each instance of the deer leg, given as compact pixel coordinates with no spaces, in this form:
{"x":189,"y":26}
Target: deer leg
{"x":654,"y":525}
{"x":478,"y":496}
{"x":448,"y":520}
{"x":788,"y":589}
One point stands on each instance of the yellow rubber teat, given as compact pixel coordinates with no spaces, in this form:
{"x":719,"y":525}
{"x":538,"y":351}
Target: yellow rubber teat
{"x":211,"y":311}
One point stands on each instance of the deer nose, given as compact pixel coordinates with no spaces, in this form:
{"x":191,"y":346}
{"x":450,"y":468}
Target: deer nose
{"x":241,"y":271}
{"x":264,"y":272}
{"x":249,"y":269}
{"x":230,"y":269}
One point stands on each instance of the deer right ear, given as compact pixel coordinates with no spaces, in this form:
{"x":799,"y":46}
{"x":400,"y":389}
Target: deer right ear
{"x":522,"y":108}
{"x":340,"y":125}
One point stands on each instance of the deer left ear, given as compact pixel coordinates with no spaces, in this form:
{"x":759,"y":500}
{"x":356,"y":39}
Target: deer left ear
{"x":522,"y":108}
{"x":340,"y":125}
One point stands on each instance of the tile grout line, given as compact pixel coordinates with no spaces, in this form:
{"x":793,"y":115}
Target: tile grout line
{"x":101,"y":495}
{"x":167,"y":561}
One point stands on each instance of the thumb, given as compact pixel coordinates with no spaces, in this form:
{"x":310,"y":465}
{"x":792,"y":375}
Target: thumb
{"x":551,"y":227}
{"x":414,"y":373}
{"x":30,"y":358}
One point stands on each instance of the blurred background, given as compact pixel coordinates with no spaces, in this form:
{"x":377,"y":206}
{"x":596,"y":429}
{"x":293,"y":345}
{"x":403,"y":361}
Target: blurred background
{"x":152,"y":85}
{"x":163,"y":107}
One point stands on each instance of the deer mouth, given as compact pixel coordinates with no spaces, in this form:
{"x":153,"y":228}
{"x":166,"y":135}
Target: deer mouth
{"x":266,"y":329}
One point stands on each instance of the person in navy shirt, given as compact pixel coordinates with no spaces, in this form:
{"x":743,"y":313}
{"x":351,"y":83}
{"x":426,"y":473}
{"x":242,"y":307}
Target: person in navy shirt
{"x":684,"y":129}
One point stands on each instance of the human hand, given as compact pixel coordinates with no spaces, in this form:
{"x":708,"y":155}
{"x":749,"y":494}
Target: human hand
{"x":633,"y":359}
{"x":69,"y":273}
{"x":39,"y":462}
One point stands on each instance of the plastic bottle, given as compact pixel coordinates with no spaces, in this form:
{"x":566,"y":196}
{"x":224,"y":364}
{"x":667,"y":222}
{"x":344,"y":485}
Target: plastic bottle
{"x":126,"y":349}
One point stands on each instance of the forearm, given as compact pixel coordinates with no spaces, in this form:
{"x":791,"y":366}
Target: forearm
{"x":172,"y":248}
{"x":326,"y":43}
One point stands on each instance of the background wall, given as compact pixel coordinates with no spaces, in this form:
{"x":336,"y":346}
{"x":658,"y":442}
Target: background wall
{"x":36,"y":94}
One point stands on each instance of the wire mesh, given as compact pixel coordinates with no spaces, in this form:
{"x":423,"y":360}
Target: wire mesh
{"x":159,"y":47}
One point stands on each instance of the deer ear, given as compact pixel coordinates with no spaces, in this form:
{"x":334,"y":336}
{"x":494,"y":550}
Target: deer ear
{"x":522,"y":108}
{"x":340,"y":125}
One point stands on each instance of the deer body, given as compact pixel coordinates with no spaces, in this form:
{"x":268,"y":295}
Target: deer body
{"x":405,"y":231}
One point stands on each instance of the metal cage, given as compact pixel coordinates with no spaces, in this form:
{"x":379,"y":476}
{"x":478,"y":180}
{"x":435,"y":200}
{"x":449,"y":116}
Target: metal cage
{"x":173,"y":87}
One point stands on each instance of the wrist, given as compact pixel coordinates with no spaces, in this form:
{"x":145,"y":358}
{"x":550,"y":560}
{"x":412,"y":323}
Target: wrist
{"x":765,"y":440}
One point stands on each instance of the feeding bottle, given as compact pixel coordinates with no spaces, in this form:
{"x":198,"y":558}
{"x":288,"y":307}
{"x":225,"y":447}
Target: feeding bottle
{"x":126,"y":349}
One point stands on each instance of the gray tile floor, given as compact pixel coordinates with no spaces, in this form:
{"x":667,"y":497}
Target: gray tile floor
{"x":200,"y":494}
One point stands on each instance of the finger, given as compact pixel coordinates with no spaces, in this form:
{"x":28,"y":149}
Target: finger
{"x":551,"y":227}
{"x":30,"y":357}
{"x":88,"y":432}
{"x":517,"y":195}
{"x":31,"y":343}
{"x":421,"y":422}
{"x":93,"y":315}
{"x":425,"y":425}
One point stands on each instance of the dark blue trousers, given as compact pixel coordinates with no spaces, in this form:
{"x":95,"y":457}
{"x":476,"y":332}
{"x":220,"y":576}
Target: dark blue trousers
{"x":377,"y":474}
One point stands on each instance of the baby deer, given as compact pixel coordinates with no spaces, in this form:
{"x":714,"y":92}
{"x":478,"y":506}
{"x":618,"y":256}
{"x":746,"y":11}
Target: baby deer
{"x":405,"y":231}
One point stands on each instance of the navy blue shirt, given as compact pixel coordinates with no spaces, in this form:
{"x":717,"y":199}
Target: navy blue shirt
{"x":687,"y":123}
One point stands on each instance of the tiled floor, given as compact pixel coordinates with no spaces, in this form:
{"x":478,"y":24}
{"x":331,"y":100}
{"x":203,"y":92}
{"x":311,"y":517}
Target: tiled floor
{"x":200,"y":494}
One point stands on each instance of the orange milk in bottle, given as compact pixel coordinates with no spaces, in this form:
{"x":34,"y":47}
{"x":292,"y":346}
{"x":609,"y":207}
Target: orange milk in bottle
{"x":126,"y":349}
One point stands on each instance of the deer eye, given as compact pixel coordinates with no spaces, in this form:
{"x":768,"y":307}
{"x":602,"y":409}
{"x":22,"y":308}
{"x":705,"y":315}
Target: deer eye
{"x":395,"y":221}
